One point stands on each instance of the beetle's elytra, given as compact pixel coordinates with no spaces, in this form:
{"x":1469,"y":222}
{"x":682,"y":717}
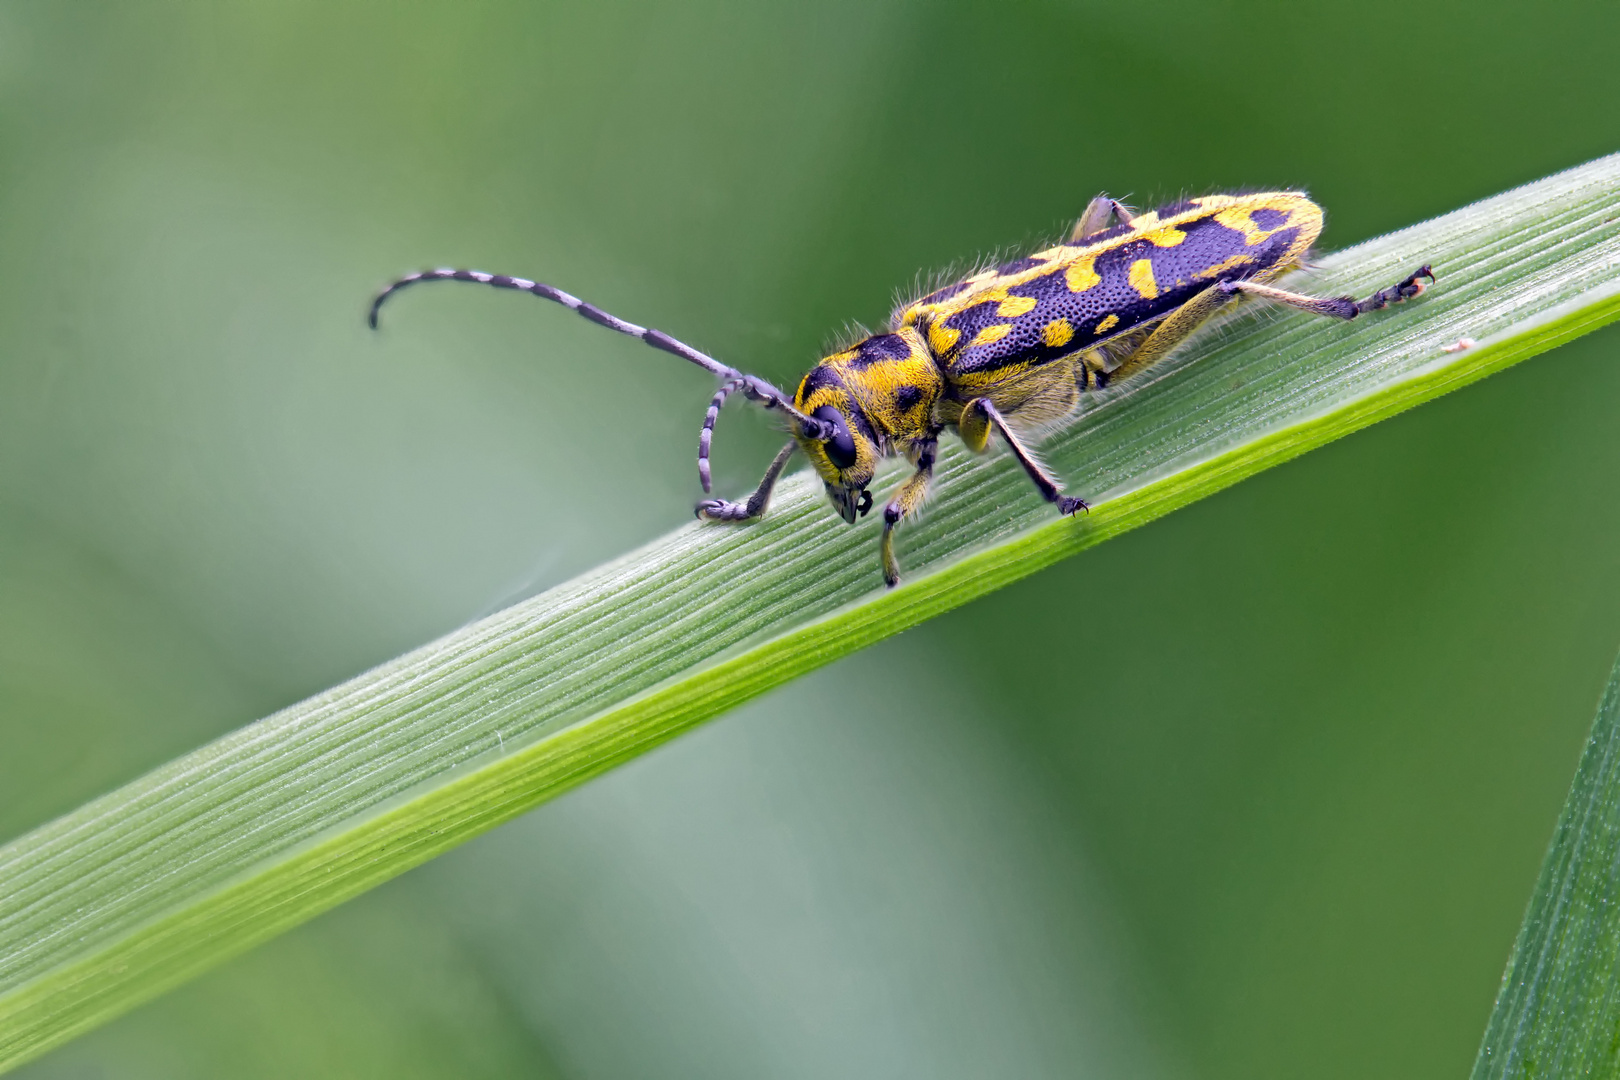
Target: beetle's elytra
{"x":1008,"y":349}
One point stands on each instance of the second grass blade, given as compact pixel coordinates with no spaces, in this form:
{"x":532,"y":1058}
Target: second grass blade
{"x":1558,"y":1012}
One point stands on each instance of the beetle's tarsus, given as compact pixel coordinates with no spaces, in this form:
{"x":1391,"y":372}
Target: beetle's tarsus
{"x":1068,"y":504}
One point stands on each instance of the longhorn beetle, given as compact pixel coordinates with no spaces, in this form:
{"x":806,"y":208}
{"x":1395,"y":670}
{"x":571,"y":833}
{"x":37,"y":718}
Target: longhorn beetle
{"x":1008,"y":349}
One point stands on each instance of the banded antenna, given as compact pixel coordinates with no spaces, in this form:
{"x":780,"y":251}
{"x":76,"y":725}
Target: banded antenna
{"x":751,"y":386}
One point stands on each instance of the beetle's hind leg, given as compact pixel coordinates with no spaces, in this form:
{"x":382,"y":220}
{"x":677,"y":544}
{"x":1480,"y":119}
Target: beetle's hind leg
{"x":721,"y":510}
{"x":1197,"y":310}
{"x":978,"y":417}
{"x":1339,"y":307}
{"x":1172,"y":332}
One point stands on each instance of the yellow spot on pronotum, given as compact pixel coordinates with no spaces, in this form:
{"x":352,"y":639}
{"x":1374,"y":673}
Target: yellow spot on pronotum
{"x":991,"y":334}
{"x":1057,"y":333}
{"x":1082,"y":275}
{"x":1140,"y":278}
{"x":1107,"y":324}
{"x":1014,"y":306}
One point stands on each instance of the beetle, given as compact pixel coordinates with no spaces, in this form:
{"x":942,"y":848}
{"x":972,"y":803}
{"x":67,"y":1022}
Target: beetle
{"x":1008,"y":349}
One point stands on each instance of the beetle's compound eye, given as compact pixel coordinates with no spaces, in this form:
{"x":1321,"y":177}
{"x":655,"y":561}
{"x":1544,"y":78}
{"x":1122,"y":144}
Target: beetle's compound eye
{"x":866,"y":502}
{"x":841,"y":447}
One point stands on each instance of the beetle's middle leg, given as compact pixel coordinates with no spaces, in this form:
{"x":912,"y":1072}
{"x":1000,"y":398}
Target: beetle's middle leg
{"x":1339,"y":307}
{"x":978,"y":417}
{"x":907,"y":498}
{"x":721,"y":510}
{"x":1099,"y":213}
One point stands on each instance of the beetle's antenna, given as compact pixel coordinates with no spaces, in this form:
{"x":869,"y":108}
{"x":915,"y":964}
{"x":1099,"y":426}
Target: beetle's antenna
{"x":657,"y":339}
{"x":756,"y":388}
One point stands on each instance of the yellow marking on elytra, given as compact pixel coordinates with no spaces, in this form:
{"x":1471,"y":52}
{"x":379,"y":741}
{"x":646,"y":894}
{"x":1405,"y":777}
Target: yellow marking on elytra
{"x":1107,"y":324}
{"x":1239,"y":218}
{"x":1076,"y":259}
{"x":941,"y":338}
{"x":1140,"y":278}
{"x":1058,"y":333}
{"x":1014,"y":306}
{"x":1231,"y":262}
{"x":991,"y":334}
{"x":1082,"y":274}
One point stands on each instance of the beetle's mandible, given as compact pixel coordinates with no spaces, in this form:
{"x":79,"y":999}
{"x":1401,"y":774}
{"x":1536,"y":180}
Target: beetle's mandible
{"x":1008,"y":349}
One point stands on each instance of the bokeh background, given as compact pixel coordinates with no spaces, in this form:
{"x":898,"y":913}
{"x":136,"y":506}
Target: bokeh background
{"x":1258,"y":791}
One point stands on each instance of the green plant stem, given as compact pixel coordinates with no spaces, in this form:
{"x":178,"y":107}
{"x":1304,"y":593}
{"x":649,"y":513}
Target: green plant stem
{"x":267,"y":827}
{"x":1558,"y":1012}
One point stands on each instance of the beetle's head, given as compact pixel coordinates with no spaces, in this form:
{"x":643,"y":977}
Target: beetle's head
{"x":847,"y":454}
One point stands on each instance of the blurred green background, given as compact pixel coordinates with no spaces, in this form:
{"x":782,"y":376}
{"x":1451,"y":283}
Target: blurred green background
{"x":1258,"y":791}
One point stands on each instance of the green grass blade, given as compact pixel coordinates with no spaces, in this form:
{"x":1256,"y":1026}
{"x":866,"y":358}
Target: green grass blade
{"x":267,"y":827}
{"x":1558,"y":1012}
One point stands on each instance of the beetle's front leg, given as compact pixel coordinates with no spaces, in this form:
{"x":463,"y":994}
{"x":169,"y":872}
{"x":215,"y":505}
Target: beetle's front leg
{"x":907,"y":498}
{"x":721,"y":510}
{"x":978,"y":417}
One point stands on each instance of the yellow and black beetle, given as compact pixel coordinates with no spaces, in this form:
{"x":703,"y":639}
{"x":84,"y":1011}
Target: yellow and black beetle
{"x":1009,"y":348}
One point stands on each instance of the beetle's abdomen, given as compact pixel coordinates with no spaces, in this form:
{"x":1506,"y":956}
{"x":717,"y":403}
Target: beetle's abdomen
{"x":1074,"y":296}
